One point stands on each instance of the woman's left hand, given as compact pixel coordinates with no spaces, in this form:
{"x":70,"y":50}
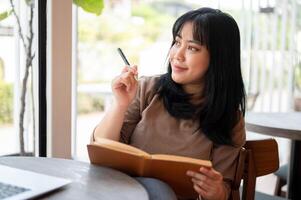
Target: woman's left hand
{"x":208,"y":183}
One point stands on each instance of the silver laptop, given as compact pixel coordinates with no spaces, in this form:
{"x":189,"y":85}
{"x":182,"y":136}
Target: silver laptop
{"x":18,"y":184}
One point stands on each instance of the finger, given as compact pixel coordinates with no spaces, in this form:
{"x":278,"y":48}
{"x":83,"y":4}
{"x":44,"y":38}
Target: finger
{"x":196,"y":175}
{"x":133,"y":81}
{"x":134,"y":69}
{"x":200,"y":191}
{"x":128,"y":80}
{"x":131,"y":75}
{"x":205,"y":181}
{"x":117,"y":83}
{"x":125,"y":69}
{"x":211,"y":173}
{"x":120,"y":81}
{"x":133,"y":72}
{"x":202,"y":184}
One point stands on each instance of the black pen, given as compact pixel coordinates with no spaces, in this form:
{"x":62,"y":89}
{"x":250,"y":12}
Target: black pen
{"x":125,"y":60}
{"x":123,"y":56}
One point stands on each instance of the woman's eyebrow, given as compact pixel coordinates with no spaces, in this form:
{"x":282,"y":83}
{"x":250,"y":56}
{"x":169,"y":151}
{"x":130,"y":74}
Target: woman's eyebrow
{"x":190,"y":41}
{"x":195,"y":42}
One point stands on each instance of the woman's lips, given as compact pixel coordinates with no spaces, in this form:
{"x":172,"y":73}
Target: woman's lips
{"x":177,"y":68}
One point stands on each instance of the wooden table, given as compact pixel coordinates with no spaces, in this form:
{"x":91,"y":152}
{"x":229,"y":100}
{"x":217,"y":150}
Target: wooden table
{"x":287,"y":125}
{"x":89,"y":181}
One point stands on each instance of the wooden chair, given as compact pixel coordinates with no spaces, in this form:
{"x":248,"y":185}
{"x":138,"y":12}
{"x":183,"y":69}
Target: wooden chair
{"x":281,"y":174}
{"x":257,"y":158}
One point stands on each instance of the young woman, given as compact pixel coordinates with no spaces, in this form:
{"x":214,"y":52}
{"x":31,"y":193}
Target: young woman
{"x":196,"y":109}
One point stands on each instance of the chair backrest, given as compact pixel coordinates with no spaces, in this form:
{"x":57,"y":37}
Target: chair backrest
{"x":257,"y":158}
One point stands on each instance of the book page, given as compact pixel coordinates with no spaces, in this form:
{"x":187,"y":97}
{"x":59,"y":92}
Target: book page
{"x":183,"y":159}
{"x":114,"y":145}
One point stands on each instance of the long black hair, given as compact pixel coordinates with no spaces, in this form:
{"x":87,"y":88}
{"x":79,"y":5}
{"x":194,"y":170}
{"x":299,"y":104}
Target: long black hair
{"x":223,"y":95}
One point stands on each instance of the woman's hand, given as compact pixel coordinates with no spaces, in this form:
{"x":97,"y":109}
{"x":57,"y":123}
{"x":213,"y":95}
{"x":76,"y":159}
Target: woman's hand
{"x":208,"y":183}
{"x":125,"y":86}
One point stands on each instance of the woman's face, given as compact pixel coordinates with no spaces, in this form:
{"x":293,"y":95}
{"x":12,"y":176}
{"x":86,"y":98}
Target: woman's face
{"x":188,"y":58}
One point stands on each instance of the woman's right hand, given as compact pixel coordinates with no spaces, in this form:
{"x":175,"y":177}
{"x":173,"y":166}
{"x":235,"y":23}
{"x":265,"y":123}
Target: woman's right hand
{"x":125,"y":86}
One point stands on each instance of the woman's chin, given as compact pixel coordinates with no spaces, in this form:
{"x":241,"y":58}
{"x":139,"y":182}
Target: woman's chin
{"x":178,"y":79}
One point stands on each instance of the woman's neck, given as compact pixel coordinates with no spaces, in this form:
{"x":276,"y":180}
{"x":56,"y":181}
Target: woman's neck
{"x":196,"y":90}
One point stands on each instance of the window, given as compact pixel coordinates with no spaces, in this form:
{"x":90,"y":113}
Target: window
{"x":16,"y":138}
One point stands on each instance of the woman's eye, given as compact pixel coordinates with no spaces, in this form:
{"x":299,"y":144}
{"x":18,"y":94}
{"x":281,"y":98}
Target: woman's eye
{"x":192,"y":48}
{"x":177,"y":43}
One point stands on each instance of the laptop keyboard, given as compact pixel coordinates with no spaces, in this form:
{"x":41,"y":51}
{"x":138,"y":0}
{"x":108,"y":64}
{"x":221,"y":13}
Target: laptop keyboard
{"x":7,"y":190}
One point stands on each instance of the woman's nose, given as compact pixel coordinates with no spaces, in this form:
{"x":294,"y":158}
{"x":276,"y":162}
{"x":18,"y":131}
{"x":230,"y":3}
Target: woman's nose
{"x":179,"y":54}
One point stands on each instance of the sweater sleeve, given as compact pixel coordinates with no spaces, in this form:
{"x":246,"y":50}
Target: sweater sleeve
{"x":131,"y":119}
{"x":133,"y":115}
{"x":225,"y":158}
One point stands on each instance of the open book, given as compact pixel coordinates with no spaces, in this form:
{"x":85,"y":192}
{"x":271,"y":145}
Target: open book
{"x":135,"y":162}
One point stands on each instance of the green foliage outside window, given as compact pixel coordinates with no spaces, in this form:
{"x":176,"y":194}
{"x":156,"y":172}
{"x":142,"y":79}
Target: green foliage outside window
{"x":91,"y":6}
{"x":298,"y":77}
{"x":6,"y":102}
{"x":1,"y":69}
{"x":142,"y":28}
{"x":87,"y":103}
{"x":6,"y":98}
{"x":113,"y":29}
{"x":155,"y":21}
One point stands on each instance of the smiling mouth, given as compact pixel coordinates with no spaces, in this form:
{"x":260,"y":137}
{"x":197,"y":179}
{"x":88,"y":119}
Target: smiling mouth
{"x":178,"y":69}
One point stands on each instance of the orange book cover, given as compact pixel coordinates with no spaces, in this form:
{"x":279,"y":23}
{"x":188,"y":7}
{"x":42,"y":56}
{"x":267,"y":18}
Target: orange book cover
{"x":169,"y":168}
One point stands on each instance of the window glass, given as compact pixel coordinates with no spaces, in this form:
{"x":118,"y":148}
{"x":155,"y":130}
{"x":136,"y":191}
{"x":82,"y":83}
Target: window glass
{"x":12,"y":73}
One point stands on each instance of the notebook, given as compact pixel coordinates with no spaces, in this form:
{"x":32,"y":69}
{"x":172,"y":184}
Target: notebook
{"x":18,"y":184}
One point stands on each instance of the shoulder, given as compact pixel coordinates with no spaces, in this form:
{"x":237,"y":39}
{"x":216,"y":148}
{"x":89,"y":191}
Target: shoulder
{"x":147,"y":89}
{"x":147,"y":84}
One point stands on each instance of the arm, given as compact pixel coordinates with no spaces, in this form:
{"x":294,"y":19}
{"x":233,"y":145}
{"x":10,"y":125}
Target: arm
{"x":124,"y":88}
{"x":109,"y":127}
{"x":215,"y":183}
